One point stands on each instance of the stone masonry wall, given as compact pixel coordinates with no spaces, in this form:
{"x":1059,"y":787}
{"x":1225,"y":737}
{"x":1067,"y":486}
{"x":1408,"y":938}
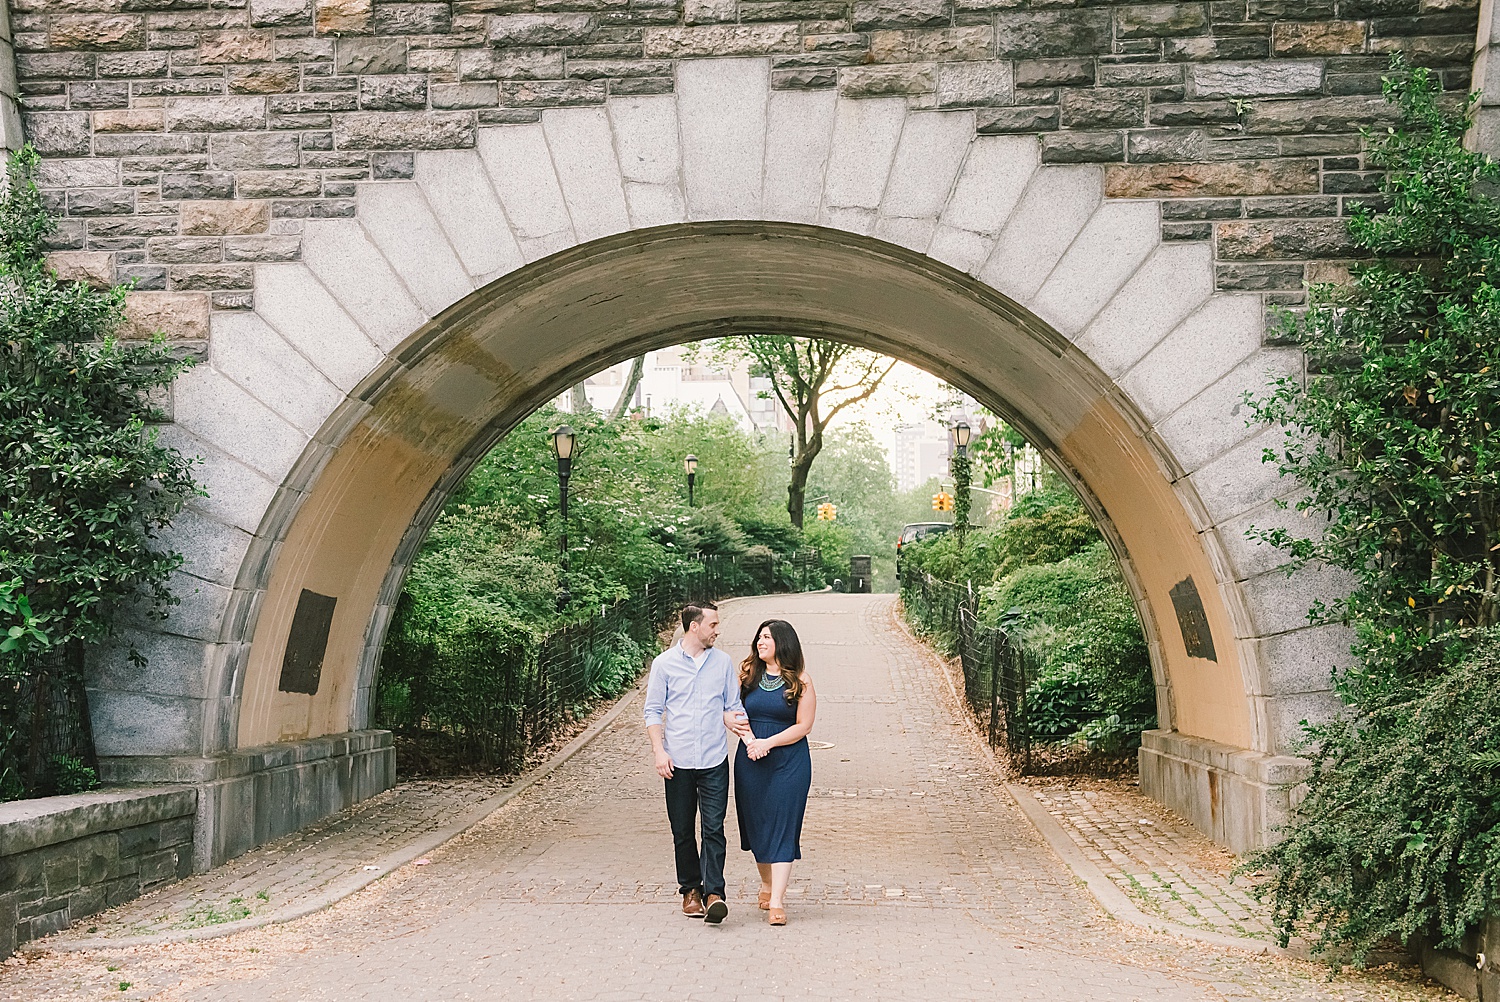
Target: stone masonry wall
{"x":64,"y":858}
{"x":188,"y":139}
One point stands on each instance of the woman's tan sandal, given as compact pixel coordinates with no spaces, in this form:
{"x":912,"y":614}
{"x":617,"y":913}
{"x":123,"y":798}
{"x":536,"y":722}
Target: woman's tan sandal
{"x":776,"y":916}
{"x":764,"y":900}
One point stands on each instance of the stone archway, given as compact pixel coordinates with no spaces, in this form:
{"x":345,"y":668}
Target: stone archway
{"x":337,"y":415}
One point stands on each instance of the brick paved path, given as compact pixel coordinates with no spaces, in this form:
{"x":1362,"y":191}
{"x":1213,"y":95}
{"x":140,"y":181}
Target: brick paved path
{"x":1168,"y":868}
{"x":921,"y":880}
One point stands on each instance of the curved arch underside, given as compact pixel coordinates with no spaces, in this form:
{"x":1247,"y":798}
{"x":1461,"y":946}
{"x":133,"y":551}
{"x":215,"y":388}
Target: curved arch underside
{"x":480,"y":367}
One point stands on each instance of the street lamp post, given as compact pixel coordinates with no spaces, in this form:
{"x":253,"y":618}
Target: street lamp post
{"x":961,"y":477}
{"x":563,"y":442}
{"x":691,"y":465}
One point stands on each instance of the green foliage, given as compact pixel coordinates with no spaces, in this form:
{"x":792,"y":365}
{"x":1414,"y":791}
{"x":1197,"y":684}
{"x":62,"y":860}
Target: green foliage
{"x":1399,"y":835}
{"x":1048,"y":575}
{"x":1392,"y":438}
{"x":72,"y":775}
{"x":1058,"y":704}
{"x":20,"y":628}
{"x":1077,"y":615}
{"x":87,"y":483}
{"x":1393,"y":442}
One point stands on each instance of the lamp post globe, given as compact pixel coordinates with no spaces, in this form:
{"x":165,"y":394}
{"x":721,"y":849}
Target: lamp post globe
{"x":690,"y":464}
{"x":961,"y":435}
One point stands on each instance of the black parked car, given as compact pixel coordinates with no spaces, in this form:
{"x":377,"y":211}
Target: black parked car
{"x":915,"y":532}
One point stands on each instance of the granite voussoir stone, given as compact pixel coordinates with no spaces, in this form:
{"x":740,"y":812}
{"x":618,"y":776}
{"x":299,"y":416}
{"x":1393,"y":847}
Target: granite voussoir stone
{"x":1239,"y":178}
{"x":540,"y":29}
{"x":397,"y":130}
{"x":720,"y":40}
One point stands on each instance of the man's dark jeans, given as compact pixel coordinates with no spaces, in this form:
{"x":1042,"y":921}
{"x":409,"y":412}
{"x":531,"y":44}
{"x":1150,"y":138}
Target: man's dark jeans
{"x":692,"y":793}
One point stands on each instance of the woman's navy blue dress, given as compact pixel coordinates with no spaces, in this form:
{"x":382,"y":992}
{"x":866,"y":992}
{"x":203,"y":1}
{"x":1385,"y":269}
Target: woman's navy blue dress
{"x":770,"y":795}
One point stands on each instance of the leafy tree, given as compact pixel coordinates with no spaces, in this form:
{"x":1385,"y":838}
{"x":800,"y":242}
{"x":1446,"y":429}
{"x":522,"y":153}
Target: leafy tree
{"x":814,"y":380}
{"x":1391,"y":436}
{"x":87,"y":483}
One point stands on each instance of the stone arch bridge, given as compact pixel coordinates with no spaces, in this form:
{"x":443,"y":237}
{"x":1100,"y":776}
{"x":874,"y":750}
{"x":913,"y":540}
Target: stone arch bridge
{"x":392,"y":229}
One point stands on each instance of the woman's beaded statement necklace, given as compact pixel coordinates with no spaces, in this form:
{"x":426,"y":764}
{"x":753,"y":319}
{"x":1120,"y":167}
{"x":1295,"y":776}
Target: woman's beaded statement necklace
{"x":770,"y":683}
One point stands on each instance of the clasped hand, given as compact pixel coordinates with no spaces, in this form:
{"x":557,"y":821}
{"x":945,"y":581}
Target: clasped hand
{"x":758,"y":748}
{"x":738,"y":724}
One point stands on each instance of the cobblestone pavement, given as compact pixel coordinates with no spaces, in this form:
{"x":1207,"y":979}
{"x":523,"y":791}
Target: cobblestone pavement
{"x":920,"y":879}
{"x":1167,"y":867}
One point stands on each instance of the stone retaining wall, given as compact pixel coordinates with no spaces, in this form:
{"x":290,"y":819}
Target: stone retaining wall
{"x":189,"y":138}
{"x":64,"y":858}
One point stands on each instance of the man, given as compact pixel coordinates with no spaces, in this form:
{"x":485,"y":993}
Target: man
{"x":692,"y":695}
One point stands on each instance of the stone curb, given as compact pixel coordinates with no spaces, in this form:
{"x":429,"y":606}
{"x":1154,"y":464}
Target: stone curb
{"x":345,"y":886}
{"x":1115,"y":902}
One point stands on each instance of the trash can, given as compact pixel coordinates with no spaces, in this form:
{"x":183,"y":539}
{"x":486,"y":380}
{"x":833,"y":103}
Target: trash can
{"x":859,"y":575}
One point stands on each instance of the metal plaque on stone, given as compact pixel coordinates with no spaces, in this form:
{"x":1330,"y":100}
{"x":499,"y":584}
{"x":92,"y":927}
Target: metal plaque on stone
{"x":1193,"y":621}
{"x":302,"y":666}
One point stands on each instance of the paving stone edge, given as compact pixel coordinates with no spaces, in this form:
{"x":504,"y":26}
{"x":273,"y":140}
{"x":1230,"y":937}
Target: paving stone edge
{"x":1115,"y":902}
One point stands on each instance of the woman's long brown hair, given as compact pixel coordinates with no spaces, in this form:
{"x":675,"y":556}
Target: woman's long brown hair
{"x":788,"y":656}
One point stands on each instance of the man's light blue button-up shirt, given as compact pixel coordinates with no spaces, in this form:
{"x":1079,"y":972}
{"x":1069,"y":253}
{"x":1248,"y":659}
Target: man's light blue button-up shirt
{"x":693,"y":701}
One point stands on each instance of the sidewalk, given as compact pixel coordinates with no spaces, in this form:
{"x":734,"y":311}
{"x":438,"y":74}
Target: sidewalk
{"x":1166,"y":867}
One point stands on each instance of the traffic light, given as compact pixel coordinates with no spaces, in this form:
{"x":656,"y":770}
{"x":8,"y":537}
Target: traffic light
{"x":942,"y":501}
{"x":827,"y":511}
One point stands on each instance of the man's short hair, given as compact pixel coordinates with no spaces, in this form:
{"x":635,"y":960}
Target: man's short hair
{"x":693,"y":611}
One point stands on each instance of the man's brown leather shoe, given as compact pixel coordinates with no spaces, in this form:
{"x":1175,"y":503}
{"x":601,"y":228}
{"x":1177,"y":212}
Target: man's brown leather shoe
{"x":692,"y":904}
{"x":717,"y":909}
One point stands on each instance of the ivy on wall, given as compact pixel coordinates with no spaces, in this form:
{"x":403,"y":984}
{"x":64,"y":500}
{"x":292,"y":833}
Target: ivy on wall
{"x":1392,"y":439}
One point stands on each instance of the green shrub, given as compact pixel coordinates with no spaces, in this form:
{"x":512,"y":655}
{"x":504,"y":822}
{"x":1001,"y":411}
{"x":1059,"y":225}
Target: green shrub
{"x":1077,"y":615}
{"x":1057,"y":705}
{"x":1399,"y":834}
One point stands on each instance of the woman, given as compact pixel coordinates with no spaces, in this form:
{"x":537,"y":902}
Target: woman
{"x":773,"y":770}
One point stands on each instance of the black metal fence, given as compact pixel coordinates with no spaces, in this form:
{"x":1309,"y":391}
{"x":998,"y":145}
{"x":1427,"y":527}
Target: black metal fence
{"x":490,"y":700}
{"x":997,"y":667}
{"x":46,"y":746}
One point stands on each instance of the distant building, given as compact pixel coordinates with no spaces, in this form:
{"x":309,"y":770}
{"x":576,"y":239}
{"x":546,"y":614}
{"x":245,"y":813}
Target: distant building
{"x":670,"y":379}
{"x":920,"y":453}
